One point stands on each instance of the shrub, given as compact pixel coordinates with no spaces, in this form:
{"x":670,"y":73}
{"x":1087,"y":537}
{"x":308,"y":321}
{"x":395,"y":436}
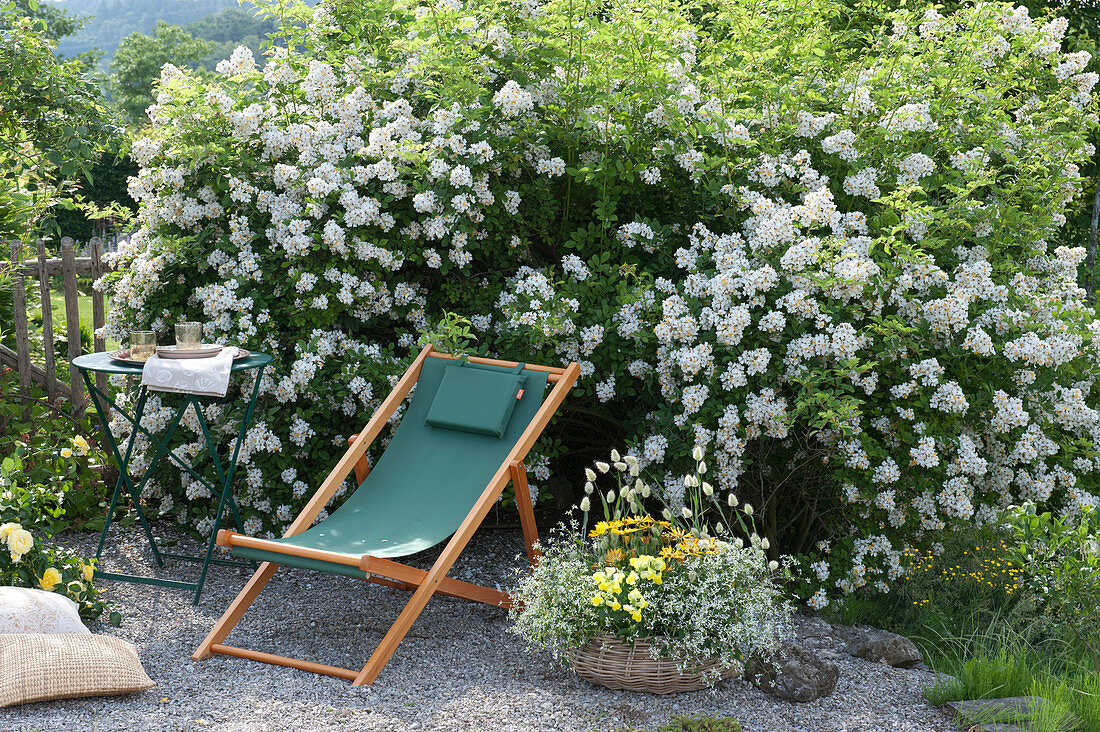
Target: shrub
{"x":52,"y":462}
{"x":28,"y":513}
{"x":1059,"y":561}
{"x":821,"y":253}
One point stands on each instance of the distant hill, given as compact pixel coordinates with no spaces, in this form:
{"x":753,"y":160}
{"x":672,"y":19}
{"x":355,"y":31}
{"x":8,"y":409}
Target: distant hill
{"x":115,"y":19}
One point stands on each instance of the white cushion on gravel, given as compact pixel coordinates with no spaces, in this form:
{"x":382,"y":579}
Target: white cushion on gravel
{"x":23,"y":610}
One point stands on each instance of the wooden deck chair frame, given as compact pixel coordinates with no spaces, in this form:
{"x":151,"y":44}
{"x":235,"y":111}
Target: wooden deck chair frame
{"x":386,"y":572}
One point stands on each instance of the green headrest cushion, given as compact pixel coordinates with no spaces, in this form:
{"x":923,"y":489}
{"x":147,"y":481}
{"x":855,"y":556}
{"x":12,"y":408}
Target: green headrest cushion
{"x":476,"y":400}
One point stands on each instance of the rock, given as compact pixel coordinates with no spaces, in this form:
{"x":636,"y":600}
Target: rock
{"x":794,"y":673}
{"x":995,"y":713}
{"x":812,"y":626}
{"x":813,"y":632}
{"x":881,"y":645}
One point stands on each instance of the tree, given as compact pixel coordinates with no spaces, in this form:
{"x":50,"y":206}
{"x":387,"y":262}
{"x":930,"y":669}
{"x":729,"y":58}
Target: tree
{"x":53,"y":123}
{"x":59,"y":23}
{"x":138,"y":61}
{"x":230,"y":28}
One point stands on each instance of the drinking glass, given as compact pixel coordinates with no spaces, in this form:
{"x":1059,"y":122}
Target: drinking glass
{"x":143,"y":344}
{"x":188,"y":336}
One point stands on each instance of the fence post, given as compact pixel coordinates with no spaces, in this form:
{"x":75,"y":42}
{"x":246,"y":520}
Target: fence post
{"x":47,"y":322}
{"x":99,"y":311}
{"x":72,"y":321}
{"x":19,"y":308}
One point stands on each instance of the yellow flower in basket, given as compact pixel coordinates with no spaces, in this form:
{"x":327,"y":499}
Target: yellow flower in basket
{"x":600,"y":529}
{"x":614,"y":556}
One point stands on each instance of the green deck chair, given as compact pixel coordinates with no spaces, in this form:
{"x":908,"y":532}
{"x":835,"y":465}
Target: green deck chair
{"x":463,"y":437}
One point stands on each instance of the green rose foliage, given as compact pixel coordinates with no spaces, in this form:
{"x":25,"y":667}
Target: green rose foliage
{"x":822,"y":254}
{"x":28,"y":555}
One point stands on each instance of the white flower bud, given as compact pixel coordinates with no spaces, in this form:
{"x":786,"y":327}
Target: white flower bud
{"x":765,"y":544}
{"x":588,"y":488}
{"x":732,"y":501}
{"x":635,"y":470}
{"x":773,"y":565}
{"x":747,"y":508}
{"x":620,"y":466}
{"x":697,"y":453}
{"x":615,"y":456}
{"x":718,"y":528}
{"x":702,"y":467}
{"x":590,"y":473}
{"x":602,"y":467}
{"x":645,"y":491}
{"x":738,"y":542}
{"x":708,"y":489}
{"x":630,"y":460}
{"x":685,"y":512}
{"x":586,"y":504}
{"x":611,"y":496}
{"x":666,"y":514}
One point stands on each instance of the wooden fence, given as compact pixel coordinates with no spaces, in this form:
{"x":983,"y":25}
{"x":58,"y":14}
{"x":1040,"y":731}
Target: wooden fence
{"x":68,"y":265}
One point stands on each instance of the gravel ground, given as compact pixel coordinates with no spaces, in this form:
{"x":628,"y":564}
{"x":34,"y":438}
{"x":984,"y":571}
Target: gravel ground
{"x":458,"y":669}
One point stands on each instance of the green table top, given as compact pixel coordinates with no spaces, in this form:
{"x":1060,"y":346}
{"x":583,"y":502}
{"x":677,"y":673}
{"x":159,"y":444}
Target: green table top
{"x":102,"y":363}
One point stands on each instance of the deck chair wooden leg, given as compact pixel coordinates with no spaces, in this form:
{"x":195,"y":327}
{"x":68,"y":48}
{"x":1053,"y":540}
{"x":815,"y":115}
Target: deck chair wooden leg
{"x":427,"y":588}
{"x":396,"y":634}
{"x":526,"y":509}
{"x":236,"y":610}
{"x":362,"y":465}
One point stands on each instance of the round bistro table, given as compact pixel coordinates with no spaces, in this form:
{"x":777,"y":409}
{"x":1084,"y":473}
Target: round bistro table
{"x":102,"y":363}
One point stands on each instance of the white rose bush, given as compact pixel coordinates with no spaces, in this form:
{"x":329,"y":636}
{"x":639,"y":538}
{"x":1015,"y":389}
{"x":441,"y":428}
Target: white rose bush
{"x":828,"y":256}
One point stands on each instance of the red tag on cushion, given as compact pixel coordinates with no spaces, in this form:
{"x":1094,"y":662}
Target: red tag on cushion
{"x":519,"y":394}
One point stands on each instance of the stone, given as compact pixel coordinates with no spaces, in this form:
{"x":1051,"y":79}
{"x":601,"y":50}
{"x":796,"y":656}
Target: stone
{"x":881,"y":645}
{"x":998,"y":713}
{"x":813,"y":632}
{"x":794,"y":673}
{"x":812,"y":626}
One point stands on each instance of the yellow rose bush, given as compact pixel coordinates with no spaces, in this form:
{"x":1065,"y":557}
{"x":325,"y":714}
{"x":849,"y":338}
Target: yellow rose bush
{"x":28,"y":555}
{"x":689,"y":584}
{"x":27,"y":560}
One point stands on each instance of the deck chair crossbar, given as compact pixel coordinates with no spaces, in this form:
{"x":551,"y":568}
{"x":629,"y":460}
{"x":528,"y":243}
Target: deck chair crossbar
{"x":381,"y":570}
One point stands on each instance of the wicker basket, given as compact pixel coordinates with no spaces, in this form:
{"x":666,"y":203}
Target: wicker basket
{"x":606,"y":661}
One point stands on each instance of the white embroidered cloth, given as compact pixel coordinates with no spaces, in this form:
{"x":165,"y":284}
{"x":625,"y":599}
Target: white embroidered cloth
{"x":202,"y":376}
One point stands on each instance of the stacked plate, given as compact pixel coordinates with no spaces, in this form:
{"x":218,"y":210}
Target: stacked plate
{"x":207,"y":350}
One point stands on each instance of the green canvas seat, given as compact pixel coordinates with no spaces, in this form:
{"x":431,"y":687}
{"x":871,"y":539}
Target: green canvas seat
{"x":462,"y":439}
{"x":422,"y":487}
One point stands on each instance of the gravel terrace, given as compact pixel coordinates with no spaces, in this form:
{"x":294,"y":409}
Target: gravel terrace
{"x":458,"y":669}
